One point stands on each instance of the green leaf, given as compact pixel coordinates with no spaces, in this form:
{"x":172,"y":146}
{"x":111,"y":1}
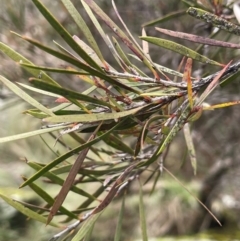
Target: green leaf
{"x":172,"y":133}
{"x":26,"y":211}
{"x":39,"y":91}
{"x":65,"y":34}
{"x":86,"y":172}
{"x":230,"y":79}
{"x":22,"y":94}
{"x":142,"y":215}
{"x":68,"y":94}
{"x":143,"y":134}
{"x":121,"y":53}
{"x":135,"y":49}
{"x":215,"y":20}
{"x":62,"y":158}
{"x":57,"y":180}
{"x":30,"y":134}
{"x":80,"y":65}
{"x":117,"y":143}
{"x":88,"y":236}
{"x":173,"y":15}
{"x":47,"y":198}
{"x":55,"y":70}
{"x":69,"y":181}
{"x":86,"y":227}
{"x":180,"y":49}
{"x":19,"y":58}
{"x":83,"y":26}
{"x":92,"y":117}
{"x":118,"y":232}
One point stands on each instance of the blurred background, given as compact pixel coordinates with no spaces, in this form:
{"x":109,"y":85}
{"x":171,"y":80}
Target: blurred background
{"x":171,"y":211}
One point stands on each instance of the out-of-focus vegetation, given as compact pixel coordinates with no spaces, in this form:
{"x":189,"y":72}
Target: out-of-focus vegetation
{"x":170,"y":210}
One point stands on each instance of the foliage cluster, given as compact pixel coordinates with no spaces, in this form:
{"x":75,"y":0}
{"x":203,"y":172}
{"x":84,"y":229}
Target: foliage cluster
{"x":125,"y":119}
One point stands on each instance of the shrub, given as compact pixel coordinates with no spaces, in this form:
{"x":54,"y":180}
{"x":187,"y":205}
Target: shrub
{"x":128,"y":114}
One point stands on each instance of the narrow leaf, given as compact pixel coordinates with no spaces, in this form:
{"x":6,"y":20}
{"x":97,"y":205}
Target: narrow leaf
{"x":222,"y":105}
{"x":68,"y":94}
{"x":38,"y":90}
{"x":142,"y":215}
{"x":26,"y":211}
{"x":30,"y":134}
{"x":215,"y":20}
{"x":198,"y":39}
{"x":121,"y":35}
{"x":79,"y":64}
{"x":66,"y":155}
{"x":212,"y":85}
{"x":179,"y":49}
{"x":229,"y":79}
{"x":118,"y":232}
{"x":20,"y":59}
{"x":70,"y":179}
{"x":173,"y":15}
{"x":22,"y":94}
{"x":54,"y":70}
{"x":117,"y":143}
{"x":92,"y":117}
{"x":64,"y":34}
{"x":87,"y":225}
{"x":47,"y":198}
{"x":83,"y":26}
{"x":187,"y":78}
{"x":181,"y":184}
{"x":57,"y":180}
{"x":121,"y":53}
{"x":190,"y":147}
